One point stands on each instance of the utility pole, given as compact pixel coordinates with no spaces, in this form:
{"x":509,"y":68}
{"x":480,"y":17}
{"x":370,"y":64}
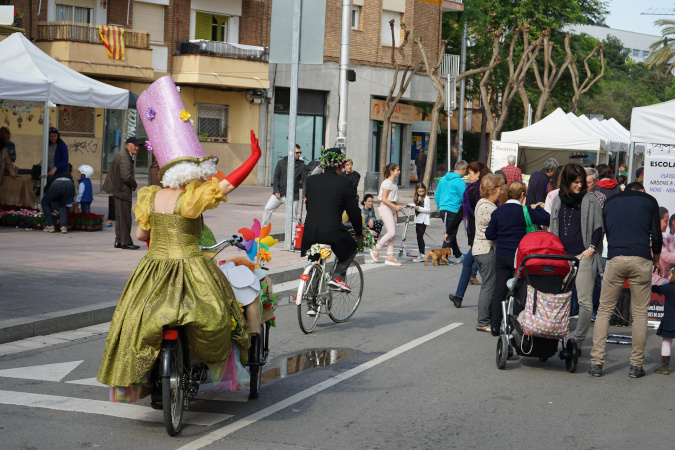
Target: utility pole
{"x":460,"y":119}
{"x":343,"y":89}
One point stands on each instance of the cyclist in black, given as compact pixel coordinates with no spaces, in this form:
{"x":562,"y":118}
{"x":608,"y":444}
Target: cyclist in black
{"x":328,"y":196}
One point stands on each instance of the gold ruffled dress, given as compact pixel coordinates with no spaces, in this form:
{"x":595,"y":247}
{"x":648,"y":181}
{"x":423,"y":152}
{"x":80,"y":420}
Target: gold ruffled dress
{"x":173,"y":285}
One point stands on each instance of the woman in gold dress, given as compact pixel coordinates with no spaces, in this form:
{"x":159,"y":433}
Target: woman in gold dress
{"x":174,"y":284}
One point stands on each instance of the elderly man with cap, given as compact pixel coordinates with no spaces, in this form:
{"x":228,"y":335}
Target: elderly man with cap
{"x":120,"y":183}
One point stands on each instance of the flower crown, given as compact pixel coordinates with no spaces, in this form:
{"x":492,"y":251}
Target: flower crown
{"x":331,"y":158}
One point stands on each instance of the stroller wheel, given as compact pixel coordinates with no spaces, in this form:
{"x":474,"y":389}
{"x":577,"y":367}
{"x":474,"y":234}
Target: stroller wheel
{"x":572,"y":357}
{"x":503,"y":350}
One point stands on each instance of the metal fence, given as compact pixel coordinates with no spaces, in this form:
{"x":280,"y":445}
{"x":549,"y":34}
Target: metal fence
{"x":83,"y":32}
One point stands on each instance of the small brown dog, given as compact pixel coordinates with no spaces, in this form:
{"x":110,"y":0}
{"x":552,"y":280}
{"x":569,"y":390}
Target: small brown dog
{"x":438,"y":255}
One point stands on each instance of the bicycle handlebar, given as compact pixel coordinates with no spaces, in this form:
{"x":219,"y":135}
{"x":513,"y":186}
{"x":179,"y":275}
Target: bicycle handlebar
{"x":234,"y":240}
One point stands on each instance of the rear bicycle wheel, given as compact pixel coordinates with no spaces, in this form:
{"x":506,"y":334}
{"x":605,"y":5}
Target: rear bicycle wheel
{"x":309,"y":300}
{"x":344,"y":304}
{"x":173,"y":386}
{"x":256,"y":367}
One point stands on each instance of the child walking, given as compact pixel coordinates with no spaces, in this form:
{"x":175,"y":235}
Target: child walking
{"x":667,"y":327}
{"x":422,"y":215}
{"x":85,"y":193}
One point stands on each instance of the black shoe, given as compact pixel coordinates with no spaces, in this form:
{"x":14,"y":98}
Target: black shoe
{"x":595,"y":370}
{"x":457,"y":301}
{"x":131,"y":247}
{"x":118,"y":245}
{"x":494,"y":331}
{"x":636,"y":372}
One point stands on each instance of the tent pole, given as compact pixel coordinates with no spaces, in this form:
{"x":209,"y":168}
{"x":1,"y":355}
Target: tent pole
{"x":597,"y":157}
{"x":45,"y":149}
{"x":631,"y":154}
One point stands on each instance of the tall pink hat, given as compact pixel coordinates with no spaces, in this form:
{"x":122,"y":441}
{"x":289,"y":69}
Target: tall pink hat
{"x":171,"y":136}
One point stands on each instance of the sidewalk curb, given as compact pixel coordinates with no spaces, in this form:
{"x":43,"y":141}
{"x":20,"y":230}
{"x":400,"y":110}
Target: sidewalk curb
{"x":55,"y":322}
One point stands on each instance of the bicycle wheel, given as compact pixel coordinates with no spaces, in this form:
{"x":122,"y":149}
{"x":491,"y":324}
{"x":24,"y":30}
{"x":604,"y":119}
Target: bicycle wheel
{"x":256,"y":367}
{"x":173,"y":393}
{"x":308,"y":297}
{"x":344,"y":304}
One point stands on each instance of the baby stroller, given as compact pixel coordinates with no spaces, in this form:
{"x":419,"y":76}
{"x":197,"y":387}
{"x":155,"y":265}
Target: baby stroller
{"x":536,"y":311}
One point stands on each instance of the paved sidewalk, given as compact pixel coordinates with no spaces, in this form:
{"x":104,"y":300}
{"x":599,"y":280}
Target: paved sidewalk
{"x":51,"y":282}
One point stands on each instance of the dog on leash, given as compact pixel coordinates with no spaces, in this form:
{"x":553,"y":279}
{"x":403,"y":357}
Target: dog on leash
{"x":438,"y":255}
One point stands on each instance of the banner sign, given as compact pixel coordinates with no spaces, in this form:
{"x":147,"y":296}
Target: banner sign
{"x":659,"y":182}
{"x":403,"y":113}
{"x":500,"y":154}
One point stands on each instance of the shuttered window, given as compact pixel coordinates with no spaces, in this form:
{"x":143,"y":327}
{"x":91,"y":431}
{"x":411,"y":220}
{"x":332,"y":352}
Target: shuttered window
{"x":150,"y":18}
{"x":211,"y":27}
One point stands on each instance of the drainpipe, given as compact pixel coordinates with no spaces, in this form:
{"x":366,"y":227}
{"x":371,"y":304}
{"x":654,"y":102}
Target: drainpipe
{"x":344,"y":66}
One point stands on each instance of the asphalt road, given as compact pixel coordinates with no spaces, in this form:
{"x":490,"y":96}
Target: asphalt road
{"x":412,"y":372}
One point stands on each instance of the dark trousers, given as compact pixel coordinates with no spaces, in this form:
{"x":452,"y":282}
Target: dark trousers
{"x":503,"y":271}
{"x":341,"y":266}
{"x":420,"y":229}
{"x":123,"y":222}
{"x":59,"y":192}
{"x":448,"y":217}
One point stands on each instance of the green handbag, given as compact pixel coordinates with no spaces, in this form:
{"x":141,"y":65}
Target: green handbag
{"x":529,"y":226}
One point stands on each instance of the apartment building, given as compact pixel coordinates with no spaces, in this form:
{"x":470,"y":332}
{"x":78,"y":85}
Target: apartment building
{"x":370,"y":58}
{"x":212,"y":48}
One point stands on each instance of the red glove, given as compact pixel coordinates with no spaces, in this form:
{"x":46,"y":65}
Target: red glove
{"x":240,"y":174}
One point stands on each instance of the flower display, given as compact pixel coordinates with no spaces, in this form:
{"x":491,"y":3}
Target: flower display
{"x":331,"y":158}
{"x":363,"y":243}
{"x":256,"y":238}
{"x":150,"y":113}
{"x":264,"y":256}
{"x":320,"y":250}
{"x":184,"y":115}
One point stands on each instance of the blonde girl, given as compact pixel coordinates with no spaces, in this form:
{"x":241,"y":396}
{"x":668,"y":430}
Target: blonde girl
{"x":422,"y":215}
{"x":389,"y":209}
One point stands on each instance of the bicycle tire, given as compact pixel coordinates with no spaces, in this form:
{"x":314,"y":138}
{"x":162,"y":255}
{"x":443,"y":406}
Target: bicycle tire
{"x":308,"y":295}
{"x":173,"y":393}
{"x":256,"y":370}
{"x":344,"y":304}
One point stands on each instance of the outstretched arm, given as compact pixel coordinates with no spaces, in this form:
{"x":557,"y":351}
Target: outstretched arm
{"x":233,"y":180}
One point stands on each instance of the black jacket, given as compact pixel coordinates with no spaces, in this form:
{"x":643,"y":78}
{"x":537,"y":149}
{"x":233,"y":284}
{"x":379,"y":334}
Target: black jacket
{"x":328,"y":195}
{"x":279,"y":181}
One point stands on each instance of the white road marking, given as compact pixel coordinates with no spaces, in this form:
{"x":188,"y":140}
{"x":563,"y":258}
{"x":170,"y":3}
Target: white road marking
{"x":105,"y":408}
{"x":46,"y":372}
{"x":88,"y":382}
{"x":231,"y":428}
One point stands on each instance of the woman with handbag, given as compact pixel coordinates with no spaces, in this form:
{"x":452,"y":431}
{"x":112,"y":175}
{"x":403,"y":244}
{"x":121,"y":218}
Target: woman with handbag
{"x":576,"y":218}
{"x":508,"y":225}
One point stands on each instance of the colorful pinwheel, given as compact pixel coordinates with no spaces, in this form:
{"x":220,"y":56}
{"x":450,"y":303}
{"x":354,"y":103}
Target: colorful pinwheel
{"x":256,"y":238}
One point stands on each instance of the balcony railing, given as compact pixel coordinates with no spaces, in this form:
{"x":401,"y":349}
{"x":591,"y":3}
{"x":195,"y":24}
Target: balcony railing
{"x":223,"y":49}
{"x":83,"y":32}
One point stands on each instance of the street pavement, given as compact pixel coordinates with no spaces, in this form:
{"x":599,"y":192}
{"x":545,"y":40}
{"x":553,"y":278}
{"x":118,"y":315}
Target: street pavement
{"x":51,"y":282}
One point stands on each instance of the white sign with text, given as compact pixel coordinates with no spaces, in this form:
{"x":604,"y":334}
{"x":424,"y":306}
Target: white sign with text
{"x":500,"y":154}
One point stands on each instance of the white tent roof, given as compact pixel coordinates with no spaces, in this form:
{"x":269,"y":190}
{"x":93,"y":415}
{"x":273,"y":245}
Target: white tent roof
{"x":612,"y":124}
{"x":622,"y":142}
{"x":555,"y":131}
{"x":585,"y":125}
{"x":653,"y":124}
{"x":61,"y":84}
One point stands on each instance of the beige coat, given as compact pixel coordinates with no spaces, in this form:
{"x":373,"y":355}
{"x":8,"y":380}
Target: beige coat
{"x":484,"y":210}
{"x":120,"y":180}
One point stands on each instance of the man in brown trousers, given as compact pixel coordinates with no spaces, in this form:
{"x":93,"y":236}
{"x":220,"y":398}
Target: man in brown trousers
{"x":120,"y":183}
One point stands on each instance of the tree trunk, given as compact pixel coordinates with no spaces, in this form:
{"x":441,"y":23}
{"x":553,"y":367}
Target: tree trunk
{"x":433,"y":139}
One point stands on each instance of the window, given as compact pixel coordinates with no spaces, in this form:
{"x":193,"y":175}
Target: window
{"x":386,"y":29}
{"x":74,"y":13}
{"x":149,"y":17}
{"x":212,"y":122}
{"x":211,"y":27}
{"x":75,"y":120}
{"x":645,"y":53}
{"x":356,"y":17}
{"x":635,"y":52}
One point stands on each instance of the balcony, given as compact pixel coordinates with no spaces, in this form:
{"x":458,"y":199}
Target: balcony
{"x":221,"y":64}
{"x":78,"y":46}
{"x":453,"y":5}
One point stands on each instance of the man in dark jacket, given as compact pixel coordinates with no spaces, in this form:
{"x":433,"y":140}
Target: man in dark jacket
{"x":537,"y":186}
{"x":279,"y":186}
{"x":120,"y":183}
{"x":633,"y":251}
{"x":328,"y":195}
{"x":606,"y":184}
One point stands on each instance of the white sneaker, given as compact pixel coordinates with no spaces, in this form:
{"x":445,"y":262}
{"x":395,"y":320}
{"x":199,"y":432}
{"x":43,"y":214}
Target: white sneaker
{"x":420,"y":258}
{"x":375,"y":254}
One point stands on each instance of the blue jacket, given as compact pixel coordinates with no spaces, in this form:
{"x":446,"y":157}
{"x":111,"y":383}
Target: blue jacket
{"x":449,"y":192}
{"x":88,"y":194}
{"x":507,"y":226}
{"x":61,"y":158}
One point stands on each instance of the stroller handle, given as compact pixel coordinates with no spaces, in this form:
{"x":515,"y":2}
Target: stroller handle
{"x":521,"y":267}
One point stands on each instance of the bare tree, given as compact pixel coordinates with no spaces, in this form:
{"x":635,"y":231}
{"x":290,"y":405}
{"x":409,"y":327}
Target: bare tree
{"x":433,"y":73}
{"x":551,"y":75}
{"x":581,"y":89}
{"x":517,"y":73}
{"x":392,"y":100}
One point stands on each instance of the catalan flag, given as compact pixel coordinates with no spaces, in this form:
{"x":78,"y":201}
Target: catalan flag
{"x":113,"y":40}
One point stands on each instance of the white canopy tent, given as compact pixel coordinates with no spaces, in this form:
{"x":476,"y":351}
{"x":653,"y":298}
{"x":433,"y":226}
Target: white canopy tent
{"x":651,"y":126}
{"x":607,"y":142}
{"x":23,"y":66}
{"x":556,"y":135}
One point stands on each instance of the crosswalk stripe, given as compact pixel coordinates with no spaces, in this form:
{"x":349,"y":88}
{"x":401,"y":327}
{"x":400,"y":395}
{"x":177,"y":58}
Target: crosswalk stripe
{"x":45,"y":372}
{"x":105,"y":408}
